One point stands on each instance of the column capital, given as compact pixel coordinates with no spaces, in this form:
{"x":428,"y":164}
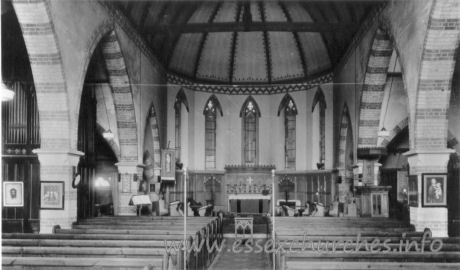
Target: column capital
{"x":57,"y":157}
{"x":426,"y":161}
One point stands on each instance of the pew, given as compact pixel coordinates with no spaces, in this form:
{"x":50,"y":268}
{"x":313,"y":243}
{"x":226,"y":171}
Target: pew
{"x":293,"y":233}
{"x":297,"y":265}
{"x":10,"y":263}
{"x":94,"y":243}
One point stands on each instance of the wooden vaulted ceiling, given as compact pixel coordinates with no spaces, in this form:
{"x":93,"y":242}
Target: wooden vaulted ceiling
{"x":248,"y":42}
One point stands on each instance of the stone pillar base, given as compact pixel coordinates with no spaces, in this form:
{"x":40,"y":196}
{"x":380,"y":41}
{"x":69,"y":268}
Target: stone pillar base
{"x":58,"y":166}
{"x":434,"y":218}
{"x":51,"y":218}
{"x":130,"y":177}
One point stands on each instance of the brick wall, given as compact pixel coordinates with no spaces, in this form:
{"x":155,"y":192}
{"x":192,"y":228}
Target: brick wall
{"x":435,"y":77}
{"x":47,"y":69}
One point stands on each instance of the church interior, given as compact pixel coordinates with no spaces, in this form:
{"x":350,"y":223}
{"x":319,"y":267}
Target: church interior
{"x":129,"y":123}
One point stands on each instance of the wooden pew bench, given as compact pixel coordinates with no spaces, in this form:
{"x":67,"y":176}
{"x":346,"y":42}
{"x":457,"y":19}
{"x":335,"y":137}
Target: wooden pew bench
{"x":108,"y":236}
{"x":10,"y":263}
{"x":294,"y":256}
{"x":347,"y":229}
{"x":91,"y":244}
{"x":361,"y":246}
{"x":301,"y":265}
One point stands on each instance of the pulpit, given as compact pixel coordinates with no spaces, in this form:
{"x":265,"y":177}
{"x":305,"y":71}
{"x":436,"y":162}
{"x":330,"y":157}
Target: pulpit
{"x":373,"y":198}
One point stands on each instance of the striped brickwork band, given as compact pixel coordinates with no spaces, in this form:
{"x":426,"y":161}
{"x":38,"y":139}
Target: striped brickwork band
{"x":373,"y":90}
{"x":435,"y":77}
{"x":122,"y":96}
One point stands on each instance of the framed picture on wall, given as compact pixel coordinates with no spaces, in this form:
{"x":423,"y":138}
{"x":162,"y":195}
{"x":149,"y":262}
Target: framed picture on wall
{"x":13,"y":194}
{"x":434,"y":188}
{"x":168,"y":164}
{"x":52,"y":195}
{"x":413,"y":191}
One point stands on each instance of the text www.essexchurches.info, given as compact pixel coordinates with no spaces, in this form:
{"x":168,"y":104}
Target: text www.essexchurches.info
{"x":295,"y":246}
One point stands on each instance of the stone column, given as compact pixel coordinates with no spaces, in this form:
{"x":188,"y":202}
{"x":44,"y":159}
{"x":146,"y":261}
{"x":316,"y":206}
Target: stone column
{"x":58,"y":166}
{"x":130,"y":175}
{"x":344,"y":188}
{"x":434,"y":218}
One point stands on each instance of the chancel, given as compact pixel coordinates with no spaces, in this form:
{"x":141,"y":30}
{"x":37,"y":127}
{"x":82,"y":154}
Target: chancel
{"x":130,"y":122}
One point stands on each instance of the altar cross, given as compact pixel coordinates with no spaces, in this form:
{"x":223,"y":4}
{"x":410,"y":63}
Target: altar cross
{"x":250,"y":180}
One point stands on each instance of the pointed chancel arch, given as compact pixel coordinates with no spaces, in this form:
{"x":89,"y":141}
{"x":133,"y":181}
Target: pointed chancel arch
{"x":181,"y":99}
{"x":210,"y":115}
{"x":345,"y":145}
{"x":122,"y":97}
{"x":250,"y":114}
{"x":289,"y":109}
{"x":318,"y":109}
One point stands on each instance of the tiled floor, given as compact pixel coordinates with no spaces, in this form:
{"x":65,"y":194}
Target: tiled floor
{"x":228,"y":259}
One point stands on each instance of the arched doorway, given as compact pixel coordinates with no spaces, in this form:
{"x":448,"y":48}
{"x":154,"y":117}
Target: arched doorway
{"x":394,"y":173}
{"x":86,"y":143}
{"x":97,"y":170}
{"x":106,"y":177}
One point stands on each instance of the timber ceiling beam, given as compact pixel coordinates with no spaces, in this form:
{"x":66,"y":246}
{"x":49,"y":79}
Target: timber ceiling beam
{"x":252,"y":27}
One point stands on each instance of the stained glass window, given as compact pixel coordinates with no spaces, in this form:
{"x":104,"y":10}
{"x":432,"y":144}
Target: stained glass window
{"x":289,"y":109}
{"x":181,"y":99}
{"x":290,"y":112}
{"x":250,"y":115}
{"x":211,"y":108}
{"x":210,"y":135}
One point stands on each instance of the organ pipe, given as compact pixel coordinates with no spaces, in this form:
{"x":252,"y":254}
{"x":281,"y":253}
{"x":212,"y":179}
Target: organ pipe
{"x":20,"y":120}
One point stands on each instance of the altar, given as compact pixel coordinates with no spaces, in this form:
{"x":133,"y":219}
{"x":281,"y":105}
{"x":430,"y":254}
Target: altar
{"x":248,"y":189}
